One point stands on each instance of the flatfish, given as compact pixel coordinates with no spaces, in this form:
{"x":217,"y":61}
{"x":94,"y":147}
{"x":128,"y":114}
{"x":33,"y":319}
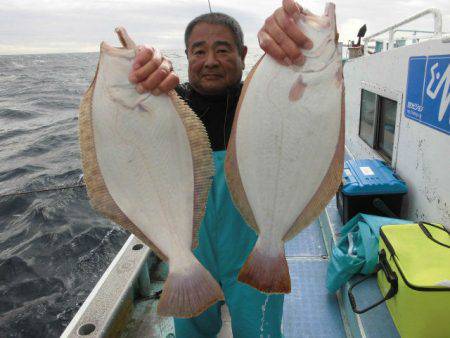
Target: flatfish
{"x":148,"y":166}
{"x":285,"y":157}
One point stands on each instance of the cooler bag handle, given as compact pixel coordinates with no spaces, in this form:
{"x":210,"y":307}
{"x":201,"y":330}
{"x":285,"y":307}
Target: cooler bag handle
{"x":391,"y":277}
{"x":383,"y":208}
{"x":430,"y":236}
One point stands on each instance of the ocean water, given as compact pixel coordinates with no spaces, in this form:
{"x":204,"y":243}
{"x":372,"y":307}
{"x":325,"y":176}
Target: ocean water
{"x":53,"y":245}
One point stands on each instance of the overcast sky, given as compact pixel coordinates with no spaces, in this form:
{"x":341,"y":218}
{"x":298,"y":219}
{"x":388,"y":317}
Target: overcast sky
{"x":49,"y":26}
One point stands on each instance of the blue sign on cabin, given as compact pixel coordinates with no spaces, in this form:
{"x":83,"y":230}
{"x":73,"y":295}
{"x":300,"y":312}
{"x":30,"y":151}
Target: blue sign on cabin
{"x":428,"y":92}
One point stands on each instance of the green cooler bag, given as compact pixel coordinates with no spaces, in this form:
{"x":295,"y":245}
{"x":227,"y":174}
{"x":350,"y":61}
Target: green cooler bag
{"x":415,"y":278}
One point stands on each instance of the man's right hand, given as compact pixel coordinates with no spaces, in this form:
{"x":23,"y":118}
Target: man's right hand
{"x":152,"y":72}
{"x":281,"y":38}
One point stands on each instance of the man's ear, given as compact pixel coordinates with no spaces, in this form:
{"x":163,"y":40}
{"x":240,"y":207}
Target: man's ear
{"x":244,"y":54}
{"x":186,"y":52}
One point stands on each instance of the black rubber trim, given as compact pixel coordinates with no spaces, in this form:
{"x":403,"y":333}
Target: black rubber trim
{"x":386,"y":241}
{"x":393,"y":255}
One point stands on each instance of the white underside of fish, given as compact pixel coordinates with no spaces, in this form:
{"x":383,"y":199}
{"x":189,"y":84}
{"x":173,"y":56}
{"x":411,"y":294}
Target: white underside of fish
{"x":145,"y":158}
{"x":148,"y":166}
{"x":293,"y":143}
{"x":287,"y":148}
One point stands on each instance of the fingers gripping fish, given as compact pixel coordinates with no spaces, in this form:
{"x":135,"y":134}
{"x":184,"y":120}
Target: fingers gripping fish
{"x":285,"y":158}
{"x":148,"y":166}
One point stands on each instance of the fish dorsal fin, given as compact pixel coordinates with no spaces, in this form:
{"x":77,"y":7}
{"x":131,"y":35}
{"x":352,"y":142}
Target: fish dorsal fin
{"x":201,"y":157}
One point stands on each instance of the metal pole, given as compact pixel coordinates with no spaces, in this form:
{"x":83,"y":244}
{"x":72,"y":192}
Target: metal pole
{"x":391,"y":39}
{"x":437,"y":23}
{"x":209,"y":4}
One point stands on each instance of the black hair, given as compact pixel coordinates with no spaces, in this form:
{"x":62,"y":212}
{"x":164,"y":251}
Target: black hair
{"x":218,"y":19}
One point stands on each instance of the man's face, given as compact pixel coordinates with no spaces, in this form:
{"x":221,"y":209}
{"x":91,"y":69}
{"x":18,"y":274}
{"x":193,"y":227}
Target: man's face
{"x":214,"y":61}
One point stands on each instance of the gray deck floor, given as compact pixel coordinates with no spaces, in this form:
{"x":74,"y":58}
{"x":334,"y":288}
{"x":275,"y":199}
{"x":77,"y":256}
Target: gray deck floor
{"x":309,"y":310}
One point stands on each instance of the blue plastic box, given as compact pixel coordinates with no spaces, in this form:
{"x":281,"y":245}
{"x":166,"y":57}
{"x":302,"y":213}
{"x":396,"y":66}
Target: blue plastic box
{"x":371,"y":187}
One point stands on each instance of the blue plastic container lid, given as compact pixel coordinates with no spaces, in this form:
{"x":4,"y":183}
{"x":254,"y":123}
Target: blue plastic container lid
{"x":370,"y":177}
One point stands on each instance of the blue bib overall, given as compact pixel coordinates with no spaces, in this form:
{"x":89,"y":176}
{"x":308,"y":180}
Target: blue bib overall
{"x":225,"y":241}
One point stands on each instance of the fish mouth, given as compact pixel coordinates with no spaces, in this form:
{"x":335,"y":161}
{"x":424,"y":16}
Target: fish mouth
{"x":128,"y":46}
{"x":330,"y":10}
{"x":330,"y":13}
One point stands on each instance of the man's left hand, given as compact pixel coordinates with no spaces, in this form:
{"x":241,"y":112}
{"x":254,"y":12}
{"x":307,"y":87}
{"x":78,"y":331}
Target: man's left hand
{"x":281,"y":38}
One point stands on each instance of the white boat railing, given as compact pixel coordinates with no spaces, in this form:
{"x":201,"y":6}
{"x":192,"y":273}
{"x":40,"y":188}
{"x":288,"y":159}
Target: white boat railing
{"x":437,"y":15}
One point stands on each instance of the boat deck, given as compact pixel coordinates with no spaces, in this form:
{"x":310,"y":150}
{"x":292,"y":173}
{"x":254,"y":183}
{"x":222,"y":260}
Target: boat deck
{"x":309,"y":310}
{"x":306,"y":308}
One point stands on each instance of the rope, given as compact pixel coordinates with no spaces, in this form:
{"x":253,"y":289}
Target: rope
{"x":64,"y":187}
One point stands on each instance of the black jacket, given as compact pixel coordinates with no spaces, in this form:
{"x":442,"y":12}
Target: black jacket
{"x":215,"y":111}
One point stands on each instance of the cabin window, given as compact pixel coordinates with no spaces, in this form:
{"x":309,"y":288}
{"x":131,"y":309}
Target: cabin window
{"x":367,"y":120}
{"x":377,"y":122}
{"x":388,"y":111}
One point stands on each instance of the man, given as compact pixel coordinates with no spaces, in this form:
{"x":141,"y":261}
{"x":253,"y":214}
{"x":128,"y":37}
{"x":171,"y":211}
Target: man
{"x":216,"y":55}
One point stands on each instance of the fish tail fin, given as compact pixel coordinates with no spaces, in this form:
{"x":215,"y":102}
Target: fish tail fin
{"x":189,"y":292}
{"x":266,"y":269}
